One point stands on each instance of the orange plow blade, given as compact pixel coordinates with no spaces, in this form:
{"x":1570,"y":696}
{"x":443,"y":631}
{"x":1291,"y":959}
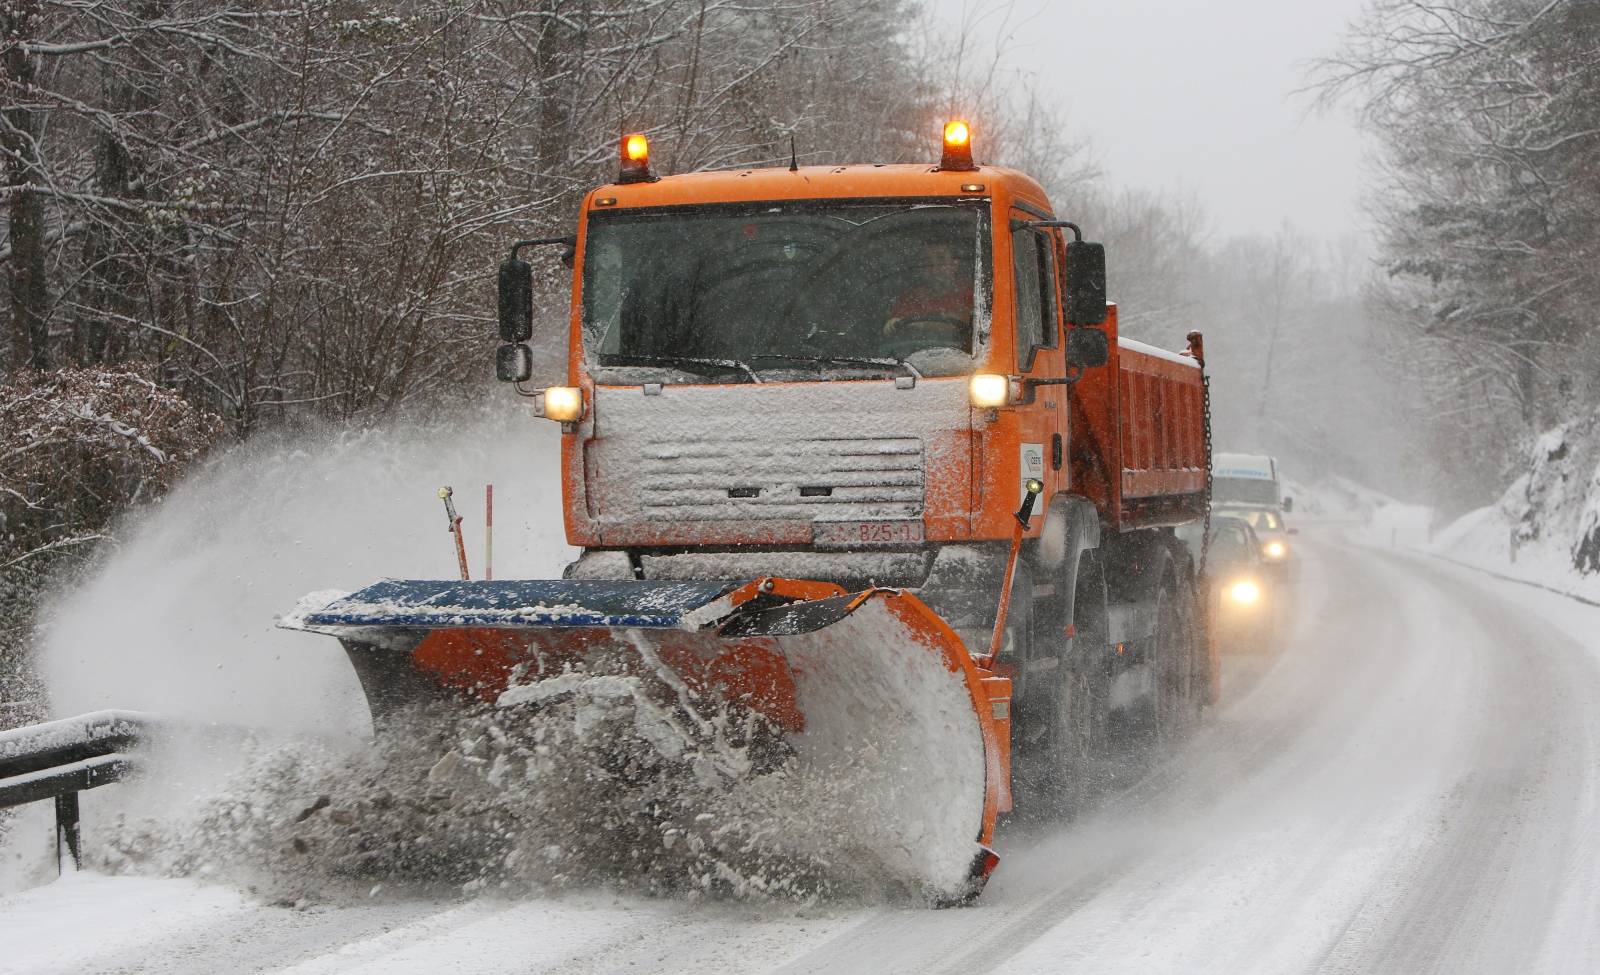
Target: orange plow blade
{"x":876,"y":705}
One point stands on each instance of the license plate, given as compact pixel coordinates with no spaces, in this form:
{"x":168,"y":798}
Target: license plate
{"x":867,"y":534}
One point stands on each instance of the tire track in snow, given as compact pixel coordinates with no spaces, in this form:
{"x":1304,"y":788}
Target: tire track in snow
{"x":1483,"y":894}
{"x":1278,"y":708}
{"x":1231,"y":798}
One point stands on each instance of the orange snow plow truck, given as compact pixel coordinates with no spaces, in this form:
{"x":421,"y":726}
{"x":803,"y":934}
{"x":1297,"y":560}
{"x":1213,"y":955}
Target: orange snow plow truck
{"x":862,"y":475}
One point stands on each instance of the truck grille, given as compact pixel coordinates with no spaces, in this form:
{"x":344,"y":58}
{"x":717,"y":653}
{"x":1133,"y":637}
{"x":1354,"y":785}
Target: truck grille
{"x":726,"y":479}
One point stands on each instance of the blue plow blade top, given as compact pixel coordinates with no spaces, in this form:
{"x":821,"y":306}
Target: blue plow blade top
{"x":514,"y":603}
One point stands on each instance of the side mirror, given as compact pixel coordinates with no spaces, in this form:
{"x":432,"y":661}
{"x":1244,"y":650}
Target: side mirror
{"x":513,"y":363}
{"x":516,"y":301}
{"x":1288,"y":504}
{"x":1087,"y":348}
{"x":1294,"y":531}
{"x":1086,"y":283}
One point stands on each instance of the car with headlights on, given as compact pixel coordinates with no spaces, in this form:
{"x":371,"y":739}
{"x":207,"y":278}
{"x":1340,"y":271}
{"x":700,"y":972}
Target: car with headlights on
{"x":1244,"y":586}
{"x":1277,"y":549}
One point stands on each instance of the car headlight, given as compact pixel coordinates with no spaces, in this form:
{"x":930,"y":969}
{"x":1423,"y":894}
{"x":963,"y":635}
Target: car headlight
{"x":1244,"y":592}
{"x":1275,"y":550}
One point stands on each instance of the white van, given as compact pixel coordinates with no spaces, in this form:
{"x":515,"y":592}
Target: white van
{"x":1247,"y":480}
{"x":1246,"y":486}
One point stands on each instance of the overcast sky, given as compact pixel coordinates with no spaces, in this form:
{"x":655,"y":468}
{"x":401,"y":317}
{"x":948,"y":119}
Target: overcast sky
{"x":1196,"y":96}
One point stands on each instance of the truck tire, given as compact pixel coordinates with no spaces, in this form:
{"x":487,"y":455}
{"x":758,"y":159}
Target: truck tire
{"x":1061,"y":755}
{"x":1174,"y":705}
{"x":1089,"y":680}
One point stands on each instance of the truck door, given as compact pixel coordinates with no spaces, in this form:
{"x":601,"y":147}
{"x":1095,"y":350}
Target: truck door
{"x":1040,"y":448}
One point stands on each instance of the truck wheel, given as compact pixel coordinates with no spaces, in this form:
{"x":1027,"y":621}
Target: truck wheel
{"x":1179,"y":690}
{"x":1085,"y":707}
{"x":1059,"y":761}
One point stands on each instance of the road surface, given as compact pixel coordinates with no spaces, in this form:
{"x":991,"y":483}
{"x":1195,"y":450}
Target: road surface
{"x":1410,"y":785}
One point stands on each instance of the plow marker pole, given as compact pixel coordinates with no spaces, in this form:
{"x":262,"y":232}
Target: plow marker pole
{"x":445,"y":494}
{"x":1023,"y":516}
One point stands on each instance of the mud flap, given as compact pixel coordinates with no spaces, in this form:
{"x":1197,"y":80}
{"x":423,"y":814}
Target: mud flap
{"x":877,"y":698}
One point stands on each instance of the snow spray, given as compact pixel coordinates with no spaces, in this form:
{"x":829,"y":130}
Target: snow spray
{"x":179,"y":619}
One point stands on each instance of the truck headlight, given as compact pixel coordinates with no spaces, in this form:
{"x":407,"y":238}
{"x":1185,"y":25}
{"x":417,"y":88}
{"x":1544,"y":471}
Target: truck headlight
{"x":1244,"y":592}
{"x":989,"y":390}
{"x":1275,"y":550}
{"x":563,"y":404}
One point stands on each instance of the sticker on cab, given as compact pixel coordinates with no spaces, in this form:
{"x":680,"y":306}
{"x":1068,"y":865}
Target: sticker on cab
{"x":1031,"y":466}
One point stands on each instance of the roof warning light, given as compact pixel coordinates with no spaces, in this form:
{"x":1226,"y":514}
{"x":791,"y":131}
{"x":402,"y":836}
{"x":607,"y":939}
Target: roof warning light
{"x":635,"y":159}
{"x":957,"y":156}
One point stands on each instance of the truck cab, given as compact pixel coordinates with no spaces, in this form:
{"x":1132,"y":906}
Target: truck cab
{"x":864,"y":360}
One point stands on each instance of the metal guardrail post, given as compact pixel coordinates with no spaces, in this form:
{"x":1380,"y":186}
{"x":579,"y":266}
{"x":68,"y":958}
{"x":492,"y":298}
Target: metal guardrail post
{"x":68,"y":832}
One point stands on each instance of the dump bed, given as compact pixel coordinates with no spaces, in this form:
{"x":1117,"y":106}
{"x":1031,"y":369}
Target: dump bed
{"x":1139,"y":436}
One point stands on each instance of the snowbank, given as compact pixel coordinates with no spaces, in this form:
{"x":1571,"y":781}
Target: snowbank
{"x":1335,"y":499}
{"x":1399,"y":525}
{"x":1545,"y":530}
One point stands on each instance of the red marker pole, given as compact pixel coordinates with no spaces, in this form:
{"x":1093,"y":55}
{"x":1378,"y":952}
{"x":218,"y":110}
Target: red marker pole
{"x":488,"y":531}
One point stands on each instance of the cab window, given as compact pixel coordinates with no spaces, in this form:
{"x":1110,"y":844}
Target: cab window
{"x":1034,"y":274}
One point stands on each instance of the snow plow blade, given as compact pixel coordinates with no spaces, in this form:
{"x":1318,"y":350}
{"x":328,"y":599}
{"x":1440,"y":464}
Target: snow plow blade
{"x":872,"y":686}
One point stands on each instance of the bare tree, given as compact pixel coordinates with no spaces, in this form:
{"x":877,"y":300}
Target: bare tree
{"x":291,"y":209}
{"x":1490,"y":112}
{"x":19,"y":139}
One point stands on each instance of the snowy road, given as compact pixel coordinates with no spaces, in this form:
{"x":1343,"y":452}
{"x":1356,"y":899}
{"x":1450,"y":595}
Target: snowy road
{"x":1410,"y":786}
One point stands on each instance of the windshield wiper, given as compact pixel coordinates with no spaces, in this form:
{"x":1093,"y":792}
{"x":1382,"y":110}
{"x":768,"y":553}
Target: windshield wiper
{"x":845,"y":359}
{"x":679,"y":361}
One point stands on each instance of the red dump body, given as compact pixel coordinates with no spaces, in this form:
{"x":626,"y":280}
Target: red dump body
{"x":1138,"y":439}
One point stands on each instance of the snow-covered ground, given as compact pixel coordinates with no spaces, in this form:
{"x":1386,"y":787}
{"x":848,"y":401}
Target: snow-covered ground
{"x":1488,"y":539}
{"x":1531,"y":534}
{"x":1545,"y":529}
{"x":1411,"y":784}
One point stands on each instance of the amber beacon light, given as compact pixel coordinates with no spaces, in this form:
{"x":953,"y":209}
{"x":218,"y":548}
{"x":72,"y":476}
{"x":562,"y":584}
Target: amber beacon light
{"x":957,"y":147}
{"x":635,"y":159}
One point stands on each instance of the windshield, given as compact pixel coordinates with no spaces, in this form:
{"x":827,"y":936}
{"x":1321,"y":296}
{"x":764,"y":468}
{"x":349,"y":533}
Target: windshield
{"x":1260,"y":519}
{"x":736,"y":293}
{"x":1229,"y":544}
{"x":1245,"y":490}
{"x":1229,"y":541}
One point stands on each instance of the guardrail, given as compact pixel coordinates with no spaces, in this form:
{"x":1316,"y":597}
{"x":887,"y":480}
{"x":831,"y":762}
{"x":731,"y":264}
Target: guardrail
{"x":59,"y":759}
